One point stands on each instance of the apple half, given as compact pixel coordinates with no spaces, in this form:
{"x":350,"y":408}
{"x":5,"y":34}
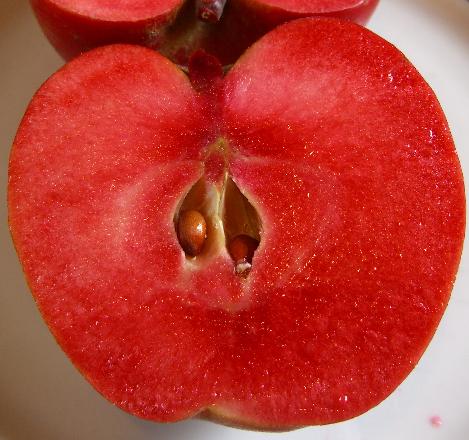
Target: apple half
{"x":323,"y":144}
{"x":176,"y":27}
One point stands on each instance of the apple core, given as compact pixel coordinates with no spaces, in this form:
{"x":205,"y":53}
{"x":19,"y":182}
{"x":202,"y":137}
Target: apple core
{"x":215,"y":216}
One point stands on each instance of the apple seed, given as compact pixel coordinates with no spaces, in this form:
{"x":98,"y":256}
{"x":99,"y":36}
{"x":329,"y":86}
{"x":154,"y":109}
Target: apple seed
{"x":192,"y":232}
{"x":241,"y":249}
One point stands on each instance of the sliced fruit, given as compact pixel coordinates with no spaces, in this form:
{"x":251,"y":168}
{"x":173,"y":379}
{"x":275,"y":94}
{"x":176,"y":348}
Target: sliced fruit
{"x":177,"y":28}
{"x":339,"y":163}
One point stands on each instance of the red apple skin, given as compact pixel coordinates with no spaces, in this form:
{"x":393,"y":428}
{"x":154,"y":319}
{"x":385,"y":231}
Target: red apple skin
{"x":176,"y":32}
{"x":72,"y":33}
{"x":346,"y":156}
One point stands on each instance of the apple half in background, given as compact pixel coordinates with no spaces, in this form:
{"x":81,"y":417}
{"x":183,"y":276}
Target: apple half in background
{"x":323,"y":144}
{"x":177,"y":28}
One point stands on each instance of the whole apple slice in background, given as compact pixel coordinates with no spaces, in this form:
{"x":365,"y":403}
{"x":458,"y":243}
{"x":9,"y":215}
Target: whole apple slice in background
{"x":177,"y":28}
{"x":323,"y":145}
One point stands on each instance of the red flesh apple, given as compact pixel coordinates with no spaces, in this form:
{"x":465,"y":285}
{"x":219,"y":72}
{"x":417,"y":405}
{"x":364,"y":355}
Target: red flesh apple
{"x":172,"y":26}
{"x":345,"y":156}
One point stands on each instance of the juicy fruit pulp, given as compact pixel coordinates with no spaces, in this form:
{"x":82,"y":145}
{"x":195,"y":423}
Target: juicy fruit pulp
{"x":344,"y":155}
{"x":174,"y":27}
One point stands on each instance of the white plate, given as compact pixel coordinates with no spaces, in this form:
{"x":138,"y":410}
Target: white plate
{"x":43,"y":397}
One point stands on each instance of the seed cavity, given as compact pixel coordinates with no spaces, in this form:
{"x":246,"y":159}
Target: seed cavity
{"x":215,"y":215}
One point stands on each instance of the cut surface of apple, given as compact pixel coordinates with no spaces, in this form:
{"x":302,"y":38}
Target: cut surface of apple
{"x":177,"y":28}
{"x":323,"y":145}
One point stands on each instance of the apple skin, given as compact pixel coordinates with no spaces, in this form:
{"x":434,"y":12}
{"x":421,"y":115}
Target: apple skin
{"x":348,"y":159}
{"x":174,"y":29}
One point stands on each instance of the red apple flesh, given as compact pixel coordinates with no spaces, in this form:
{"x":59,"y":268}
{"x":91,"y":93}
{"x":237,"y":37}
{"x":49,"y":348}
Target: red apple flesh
{"x":173,"y":27}
{"x":325,"y":142}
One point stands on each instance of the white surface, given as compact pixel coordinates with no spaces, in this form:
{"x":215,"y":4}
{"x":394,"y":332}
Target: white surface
{"x":42,"y":396}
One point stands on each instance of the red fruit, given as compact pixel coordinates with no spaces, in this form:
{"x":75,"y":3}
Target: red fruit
{"x":323,"y":142}
{"x":175,"y":28}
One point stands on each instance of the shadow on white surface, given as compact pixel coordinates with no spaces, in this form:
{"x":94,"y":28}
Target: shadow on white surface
{"x":454,"y":18}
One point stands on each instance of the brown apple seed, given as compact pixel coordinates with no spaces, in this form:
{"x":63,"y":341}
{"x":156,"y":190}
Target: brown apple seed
{"x":241,"y":249}
{"x":192,"y":232}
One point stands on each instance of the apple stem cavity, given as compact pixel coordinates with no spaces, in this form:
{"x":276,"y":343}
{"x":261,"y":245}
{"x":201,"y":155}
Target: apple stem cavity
{"x":210,"y":10}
